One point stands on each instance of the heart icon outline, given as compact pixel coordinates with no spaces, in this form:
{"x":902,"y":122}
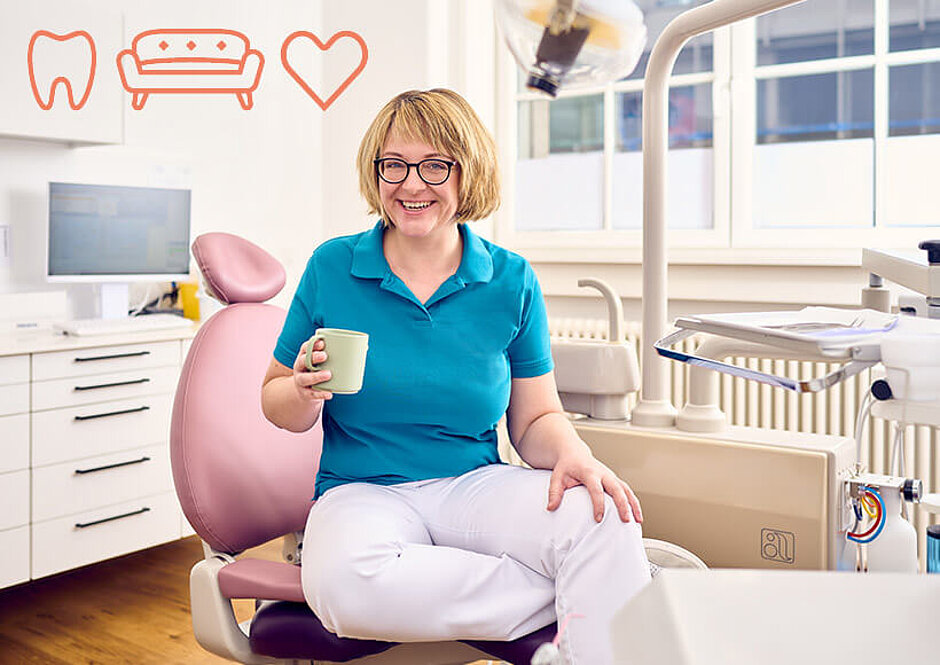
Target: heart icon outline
{"x":324,"y":104}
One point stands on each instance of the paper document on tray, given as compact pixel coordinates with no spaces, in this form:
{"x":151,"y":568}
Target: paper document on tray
{"x":824,"y":330}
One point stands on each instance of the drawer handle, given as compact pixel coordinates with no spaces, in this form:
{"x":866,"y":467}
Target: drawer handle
{"x":113,"y":356}
{"x":114,"y":466}
{"x":82,"y":525}
{"x":112,"y":413}
{"x":112,"y":385}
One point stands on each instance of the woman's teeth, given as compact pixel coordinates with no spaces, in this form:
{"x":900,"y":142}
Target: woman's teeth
{"x":415,"y":205}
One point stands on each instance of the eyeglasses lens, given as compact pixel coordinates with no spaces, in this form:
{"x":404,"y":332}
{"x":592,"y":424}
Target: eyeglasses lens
{"x":432,"y":171}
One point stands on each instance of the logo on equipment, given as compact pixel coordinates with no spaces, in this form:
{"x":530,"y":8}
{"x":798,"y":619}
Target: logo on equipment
{"x":776,"y":545}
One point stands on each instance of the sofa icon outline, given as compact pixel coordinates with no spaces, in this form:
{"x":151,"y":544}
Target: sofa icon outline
{"x":190,"y":61}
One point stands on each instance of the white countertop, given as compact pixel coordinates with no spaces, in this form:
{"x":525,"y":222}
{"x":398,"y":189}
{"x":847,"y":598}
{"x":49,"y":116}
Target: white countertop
{"x":40,"y":341}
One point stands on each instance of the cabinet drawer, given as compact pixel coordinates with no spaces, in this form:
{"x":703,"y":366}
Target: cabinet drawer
{"x":86,"y":431}
{"x":14,"y":556}
{"x":14,"y":497}
{"x":104,"y":360}
{"x":14,"y":442}
{"x":90,"y":536}
{"x":103,"y":387}
{"x":14,"y":399}
{"x":14,"y":369}
{"x":90,"y":483}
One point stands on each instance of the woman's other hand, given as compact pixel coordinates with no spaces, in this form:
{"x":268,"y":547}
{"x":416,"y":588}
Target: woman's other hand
{"x":581,"y":468}
{"x":306,"y":380}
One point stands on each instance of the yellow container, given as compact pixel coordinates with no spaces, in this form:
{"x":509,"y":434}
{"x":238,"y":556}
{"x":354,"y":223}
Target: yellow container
{"x":189,"y":300}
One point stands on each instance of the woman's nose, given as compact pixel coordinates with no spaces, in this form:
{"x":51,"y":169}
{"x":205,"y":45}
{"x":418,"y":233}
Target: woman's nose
{"x":413,"y":181}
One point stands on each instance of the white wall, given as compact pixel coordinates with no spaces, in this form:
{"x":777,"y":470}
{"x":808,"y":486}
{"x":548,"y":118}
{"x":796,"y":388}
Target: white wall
{"x":412,"y":44}
{"x":283,"y":174}
{"x":256,"y":173}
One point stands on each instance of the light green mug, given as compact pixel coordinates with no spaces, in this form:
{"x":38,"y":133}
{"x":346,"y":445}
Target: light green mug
{"x":345,"y":357}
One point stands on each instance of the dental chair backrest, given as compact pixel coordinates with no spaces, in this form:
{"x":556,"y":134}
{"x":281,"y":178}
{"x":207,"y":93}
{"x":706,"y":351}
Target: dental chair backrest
{"x":241,"y":481}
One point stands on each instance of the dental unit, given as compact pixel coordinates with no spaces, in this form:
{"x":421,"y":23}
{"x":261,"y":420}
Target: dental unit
{"x":796,"y":505}
{"x":738,"y":497}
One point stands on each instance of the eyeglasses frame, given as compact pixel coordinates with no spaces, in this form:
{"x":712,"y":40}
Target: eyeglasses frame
{"x":416,"y":166}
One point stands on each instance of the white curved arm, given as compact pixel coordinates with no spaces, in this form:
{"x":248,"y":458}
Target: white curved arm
{"x":654,"y":408}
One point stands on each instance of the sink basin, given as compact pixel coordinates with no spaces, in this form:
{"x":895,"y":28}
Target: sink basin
{"x":595,"y":377}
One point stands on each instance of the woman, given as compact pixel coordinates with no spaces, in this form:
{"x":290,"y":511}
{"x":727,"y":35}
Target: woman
{"x":418,"y":532}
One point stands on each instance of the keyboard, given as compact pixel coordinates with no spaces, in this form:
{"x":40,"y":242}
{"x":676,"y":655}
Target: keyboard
{"x":130,"y":324}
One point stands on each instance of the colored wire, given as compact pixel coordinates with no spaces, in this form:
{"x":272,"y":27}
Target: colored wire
{"x":879,"y":524}
{"x":877,"y":520}
{"x":870,"y":505}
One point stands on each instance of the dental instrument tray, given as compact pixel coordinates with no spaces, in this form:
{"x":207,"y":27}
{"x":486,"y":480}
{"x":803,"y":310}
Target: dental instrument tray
{"x":823,"y":334}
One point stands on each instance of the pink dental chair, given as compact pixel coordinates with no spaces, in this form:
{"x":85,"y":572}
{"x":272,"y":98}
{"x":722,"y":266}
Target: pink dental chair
{"x":242,"y":482}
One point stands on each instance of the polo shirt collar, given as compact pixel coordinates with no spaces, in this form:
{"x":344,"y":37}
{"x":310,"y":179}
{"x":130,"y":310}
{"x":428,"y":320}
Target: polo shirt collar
{"x":368,"y":261}
{"x":476,"y":264}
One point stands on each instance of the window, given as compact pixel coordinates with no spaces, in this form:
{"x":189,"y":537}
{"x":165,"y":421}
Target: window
{"x":823,"y":117}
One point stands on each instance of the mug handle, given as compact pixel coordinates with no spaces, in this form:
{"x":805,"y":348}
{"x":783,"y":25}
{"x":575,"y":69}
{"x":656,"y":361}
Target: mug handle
{"x":308,"y":359}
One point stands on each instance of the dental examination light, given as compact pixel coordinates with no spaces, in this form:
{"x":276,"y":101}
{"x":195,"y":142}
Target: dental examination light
{"x":594,"y":42}
{"x":572,"y":42}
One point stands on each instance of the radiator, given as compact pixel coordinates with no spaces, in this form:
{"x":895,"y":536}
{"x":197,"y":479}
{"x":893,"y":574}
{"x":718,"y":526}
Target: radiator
{"x":751,"y":404}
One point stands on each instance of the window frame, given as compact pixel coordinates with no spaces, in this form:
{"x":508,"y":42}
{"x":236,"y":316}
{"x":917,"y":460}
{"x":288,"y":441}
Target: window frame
{"x":733,"y":238}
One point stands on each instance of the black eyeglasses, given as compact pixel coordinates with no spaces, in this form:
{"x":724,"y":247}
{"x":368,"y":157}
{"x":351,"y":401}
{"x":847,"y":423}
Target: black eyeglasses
{"x":432,"y":171}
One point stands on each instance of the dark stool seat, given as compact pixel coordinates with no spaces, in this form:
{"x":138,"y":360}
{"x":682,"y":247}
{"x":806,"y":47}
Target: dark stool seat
{"x":291,"y":630}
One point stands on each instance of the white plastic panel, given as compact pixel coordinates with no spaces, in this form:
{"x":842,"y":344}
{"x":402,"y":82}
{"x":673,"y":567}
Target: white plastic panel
{"x":14,"y":369}
{"x":14,"y":497}
{"x":59,"y":436}
{"x":14,"y":556}
{"x":104,"y":360}
{"x":14,"y":399}
{"x":74,"y":486}
{"x":14,"y":442}
{"x":61,"y":544}
{"x":78,"y":390}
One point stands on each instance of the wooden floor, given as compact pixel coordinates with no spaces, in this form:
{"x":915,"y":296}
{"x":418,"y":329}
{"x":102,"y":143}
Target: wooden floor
{"x":134,"y":609}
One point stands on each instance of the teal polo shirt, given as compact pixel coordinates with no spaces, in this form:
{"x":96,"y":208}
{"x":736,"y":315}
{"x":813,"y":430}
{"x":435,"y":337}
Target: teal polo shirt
{"x":437,"y":378}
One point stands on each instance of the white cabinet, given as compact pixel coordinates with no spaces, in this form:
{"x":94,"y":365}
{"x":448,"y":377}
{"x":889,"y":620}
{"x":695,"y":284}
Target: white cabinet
{"x":14,"y":469}
{"x":45,"y":25}
{"x":84,"y":455}
{"x":93,"y":535}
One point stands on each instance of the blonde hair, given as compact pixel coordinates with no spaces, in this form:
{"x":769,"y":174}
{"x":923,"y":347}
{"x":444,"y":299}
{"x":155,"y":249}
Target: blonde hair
{"x":444,"y":120}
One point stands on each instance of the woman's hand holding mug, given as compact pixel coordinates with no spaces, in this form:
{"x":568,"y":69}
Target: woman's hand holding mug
{"x":306,"y":380}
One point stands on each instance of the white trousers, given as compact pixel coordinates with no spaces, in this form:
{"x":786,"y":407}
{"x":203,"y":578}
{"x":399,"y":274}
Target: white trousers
{"x":472,"y":557}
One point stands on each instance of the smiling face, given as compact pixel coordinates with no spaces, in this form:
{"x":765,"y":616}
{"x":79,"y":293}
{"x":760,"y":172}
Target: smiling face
{"x":416,"y":208}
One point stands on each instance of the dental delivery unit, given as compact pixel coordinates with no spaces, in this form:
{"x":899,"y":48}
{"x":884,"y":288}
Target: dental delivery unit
{"x":742,"y":497}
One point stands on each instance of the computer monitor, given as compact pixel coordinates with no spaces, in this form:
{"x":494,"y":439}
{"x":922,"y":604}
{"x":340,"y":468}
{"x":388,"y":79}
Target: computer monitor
{"x":114,"y":235}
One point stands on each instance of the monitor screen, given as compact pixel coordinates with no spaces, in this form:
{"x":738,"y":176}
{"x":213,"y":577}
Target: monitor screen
{"x":99,"y":232}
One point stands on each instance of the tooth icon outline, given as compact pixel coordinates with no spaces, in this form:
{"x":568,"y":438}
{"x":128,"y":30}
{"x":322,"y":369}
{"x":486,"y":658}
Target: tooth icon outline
{"x":75,"y":106}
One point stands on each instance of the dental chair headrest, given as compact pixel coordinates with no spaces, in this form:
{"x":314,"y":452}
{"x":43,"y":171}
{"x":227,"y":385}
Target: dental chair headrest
{"x":235,"y":270}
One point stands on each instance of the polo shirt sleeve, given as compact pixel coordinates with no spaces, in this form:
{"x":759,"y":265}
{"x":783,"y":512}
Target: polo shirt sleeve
{"x":302,"y":318}
{"x":530,"y":352}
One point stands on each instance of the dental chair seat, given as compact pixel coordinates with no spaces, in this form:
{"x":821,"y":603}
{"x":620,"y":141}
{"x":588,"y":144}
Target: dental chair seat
{"x":285,"y":626}
{"x":292,"y":630}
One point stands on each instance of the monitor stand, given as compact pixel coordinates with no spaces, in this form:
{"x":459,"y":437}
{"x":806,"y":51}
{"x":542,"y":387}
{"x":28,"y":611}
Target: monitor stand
{"x":113,"y":300}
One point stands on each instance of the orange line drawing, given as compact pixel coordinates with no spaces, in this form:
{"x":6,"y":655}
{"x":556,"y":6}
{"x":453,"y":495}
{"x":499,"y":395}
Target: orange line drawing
{"x":189,"y":61}
{"x":324,"y":47}
{"x":45,"y":64}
